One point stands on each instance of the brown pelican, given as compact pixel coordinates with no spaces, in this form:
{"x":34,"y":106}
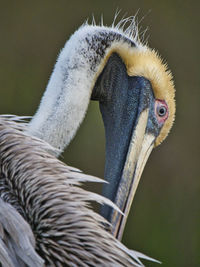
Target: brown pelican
{"x":136,"y":96}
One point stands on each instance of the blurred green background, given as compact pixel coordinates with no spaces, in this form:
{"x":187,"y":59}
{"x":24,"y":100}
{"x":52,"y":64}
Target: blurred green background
{"x":165,"y":218}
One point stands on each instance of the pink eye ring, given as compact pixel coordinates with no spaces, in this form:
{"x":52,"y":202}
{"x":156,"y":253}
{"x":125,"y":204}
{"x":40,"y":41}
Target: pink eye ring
{"x":161,"y":110}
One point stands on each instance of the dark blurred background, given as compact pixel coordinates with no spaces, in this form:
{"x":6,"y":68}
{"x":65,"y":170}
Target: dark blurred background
{"x":164,"y":221}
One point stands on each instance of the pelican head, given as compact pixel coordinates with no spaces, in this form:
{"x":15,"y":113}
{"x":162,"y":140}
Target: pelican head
{"x":136,"y":118}
{"x":136,"y":95}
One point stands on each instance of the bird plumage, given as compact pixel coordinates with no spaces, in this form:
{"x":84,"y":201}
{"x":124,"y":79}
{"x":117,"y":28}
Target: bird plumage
{"x":46,"y":193}
{"x":17,"y":242}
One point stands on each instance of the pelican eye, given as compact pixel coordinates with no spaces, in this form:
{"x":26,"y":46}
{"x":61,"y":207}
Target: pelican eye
{"x":161,"y":111}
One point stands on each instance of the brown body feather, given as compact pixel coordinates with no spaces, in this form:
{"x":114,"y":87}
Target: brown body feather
{"x":46,"y":193}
